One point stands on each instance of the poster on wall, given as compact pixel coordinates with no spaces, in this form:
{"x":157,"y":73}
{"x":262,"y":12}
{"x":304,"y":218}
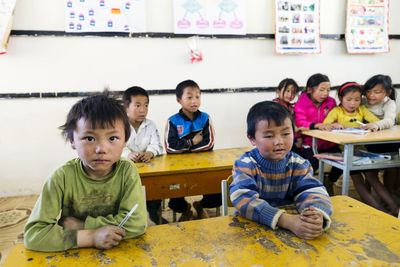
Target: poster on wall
{"x":105,"y":16}
{"x":297,"y":27}
{"x":6,"y":15}
{"x":367,"y":29}
{"x":210,"y":17}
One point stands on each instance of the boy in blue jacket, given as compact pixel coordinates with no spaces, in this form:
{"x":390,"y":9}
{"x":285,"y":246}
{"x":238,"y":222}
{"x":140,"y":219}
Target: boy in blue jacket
{"x":271,"y":175}
{"x":190,"y":130}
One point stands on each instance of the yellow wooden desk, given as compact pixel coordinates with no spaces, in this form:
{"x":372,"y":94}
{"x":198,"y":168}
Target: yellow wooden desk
{"x":188,"y":174}
{"x":359,"y":236}
{"x":391,"y":135}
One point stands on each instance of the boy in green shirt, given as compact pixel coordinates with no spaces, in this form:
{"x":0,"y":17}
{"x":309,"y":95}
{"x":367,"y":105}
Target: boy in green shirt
{"x":83,"y":202}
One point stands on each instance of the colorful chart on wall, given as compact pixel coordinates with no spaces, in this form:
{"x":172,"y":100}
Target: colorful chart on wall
{"x":105,"y":16}
{"x":6,"y":14}
{"x":210,"y":17}
{"x":297,"y":26}
{"x":367,"y":28}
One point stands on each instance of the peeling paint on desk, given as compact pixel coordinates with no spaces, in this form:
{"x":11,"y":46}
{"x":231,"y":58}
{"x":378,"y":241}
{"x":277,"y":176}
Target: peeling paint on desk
{"x":269,"y":244}
{"x":339,"y":227}
{"x":290,"y":240}
{"x":236,"y":223}
{"x":103,"y":258}
{"x":145,"y":246}
{"x":202,"y":256}
{"x":67,"y":254}
{"x":374,"y":248}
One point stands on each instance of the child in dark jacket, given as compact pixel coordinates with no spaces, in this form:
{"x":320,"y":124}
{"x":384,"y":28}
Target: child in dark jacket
{"x":190,"y":130}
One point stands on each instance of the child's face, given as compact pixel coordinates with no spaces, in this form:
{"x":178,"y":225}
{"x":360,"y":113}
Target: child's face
{"x":351,"y":101}
{"x":138,"y":108}
{"x":288,"y":94}
{"x":190,"y":100}
{"x":98,"y":148}
{"x":376,"y":95}
{"x":321,"y":92}
{"x":272,"y":141}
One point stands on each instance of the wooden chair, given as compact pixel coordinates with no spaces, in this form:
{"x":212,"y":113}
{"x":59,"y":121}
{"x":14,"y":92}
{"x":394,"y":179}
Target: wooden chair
{"x":226,"y":201}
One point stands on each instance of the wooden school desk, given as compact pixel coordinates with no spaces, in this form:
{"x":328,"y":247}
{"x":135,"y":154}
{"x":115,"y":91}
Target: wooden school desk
{"x":188,"y":174}
{"x":359,"y":236}
{"x":391,"y":135}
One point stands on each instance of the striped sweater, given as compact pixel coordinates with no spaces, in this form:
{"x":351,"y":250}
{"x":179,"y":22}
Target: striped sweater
{"x":260,"y":187}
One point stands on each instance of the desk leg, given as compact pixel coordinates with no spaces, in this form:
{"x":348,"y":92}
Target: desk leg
{"x":321,"y":165}
{"x":348,"y":162}
{"x":321,"y":173}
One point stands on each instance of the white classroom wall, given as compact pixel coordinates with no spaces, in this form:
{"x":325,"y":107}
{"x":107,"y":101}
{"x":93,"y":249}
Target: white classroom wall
{"x":31,"y":145}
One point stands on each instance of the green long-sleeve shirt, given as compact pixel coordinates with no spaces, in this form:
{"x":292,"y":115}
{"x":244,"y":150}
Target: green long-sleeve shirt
{"x":70,"y":192}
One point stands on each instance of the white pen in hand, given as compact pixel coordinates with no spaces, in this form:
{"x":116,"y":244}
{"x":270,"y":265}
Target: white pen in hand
{"x":121,"y":224}
{"x":356,"y":121}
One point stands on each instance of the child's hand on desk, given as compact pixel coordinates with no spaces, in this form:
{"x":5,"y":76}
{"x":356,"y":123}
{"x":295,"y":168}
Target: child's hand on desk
{"x":71,"y":223}
{"x":146,"y":157}
{"x":107,"y":236}
{"x":141,"y":156}
{"x":373,"y":127}
{"x":313,"y":216}
{"x":134,"y":156}
{"x":104,"y":237}
{"x":336,"y":125}
{"x":323,"y":127}
{"x":197,"y":138}
{"x":300,"y":227}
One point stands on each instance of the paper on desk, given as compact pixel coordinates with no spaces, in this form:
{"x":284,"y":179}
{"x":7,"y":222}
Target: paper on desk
{"x":351,"y":131}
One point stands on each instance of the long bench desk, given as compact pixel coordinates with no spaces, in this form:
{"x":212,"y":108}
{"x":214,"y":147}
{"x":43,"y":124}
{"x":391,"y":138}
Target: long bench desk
{"x":188,"y":174}
{"x":391,"y":135}
{"x":359,"y":236}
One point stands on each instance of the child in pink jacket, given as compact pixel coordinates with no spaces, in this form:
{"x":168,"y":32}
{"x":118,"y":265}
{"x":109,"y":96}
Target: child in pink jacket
{"x":310,"y":111}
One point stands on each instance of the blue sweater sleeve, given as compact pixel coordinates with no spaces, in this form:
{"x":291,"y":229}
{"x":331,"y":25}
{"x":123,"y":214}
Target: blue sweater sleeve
{"x":309,"y":192}
{"x":245,"y":197}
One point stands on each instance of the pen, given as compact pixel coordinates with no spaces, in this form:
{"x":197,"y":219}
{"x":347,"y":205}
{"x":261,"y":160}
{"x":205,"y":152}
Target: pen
{"x":356,"y":121}
{"x":128,"y":215}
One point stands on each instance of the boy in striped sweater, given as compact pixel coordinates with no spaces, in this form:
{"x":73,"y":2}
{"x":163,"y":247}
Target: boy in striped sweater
{"x":271,"y":175}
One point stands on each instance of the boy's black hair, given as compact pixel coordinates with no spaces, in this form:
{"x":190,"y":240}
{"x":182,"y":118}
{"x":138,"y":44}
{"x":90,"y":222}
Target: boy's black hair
{"x":269,"y":111}
{"x":180,"y":88}
{"x":100,"y":110}
{"x":383,"y":80}
{"x":348,"y":87}
{"x":285,"y":83}
{"x":133,"y":91}
{"x":315,"y":80}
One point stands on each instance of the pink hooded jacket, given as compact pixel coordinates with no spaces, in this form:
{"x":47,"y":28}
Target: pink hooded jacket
{"x":306,"y":112}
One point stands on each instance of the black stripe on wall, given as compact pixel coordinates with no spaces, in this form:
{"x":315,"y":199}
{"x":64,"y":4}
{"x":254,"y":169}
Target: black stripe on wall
{"x":151,"y":92}
{"x":166,"y":35}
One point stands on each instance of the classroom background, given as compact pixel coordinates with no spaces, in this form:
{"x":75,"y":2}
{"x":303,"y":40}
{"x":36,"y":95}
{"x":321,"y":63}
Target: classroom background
{"x":242,"y":70}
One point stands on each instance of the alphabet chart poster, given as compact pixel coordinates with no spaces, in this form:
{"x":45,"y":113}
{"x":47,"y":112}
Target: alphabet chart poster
{"x":105,"y":16}
{"x":210,"y":17}
{"x":367,"y":28}
{"x":297,"y":27}
{"x":6,"y":14}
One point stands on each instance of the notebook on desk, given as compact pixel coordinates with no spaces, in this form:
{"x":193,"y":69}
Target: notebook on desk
{"x":350,"y":131}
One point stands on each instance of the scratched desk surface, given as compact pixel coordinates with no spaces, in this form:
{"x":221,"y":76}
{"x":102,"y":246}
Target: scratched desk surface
{"x":359,"y":236}
{"x":217,"y":159}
